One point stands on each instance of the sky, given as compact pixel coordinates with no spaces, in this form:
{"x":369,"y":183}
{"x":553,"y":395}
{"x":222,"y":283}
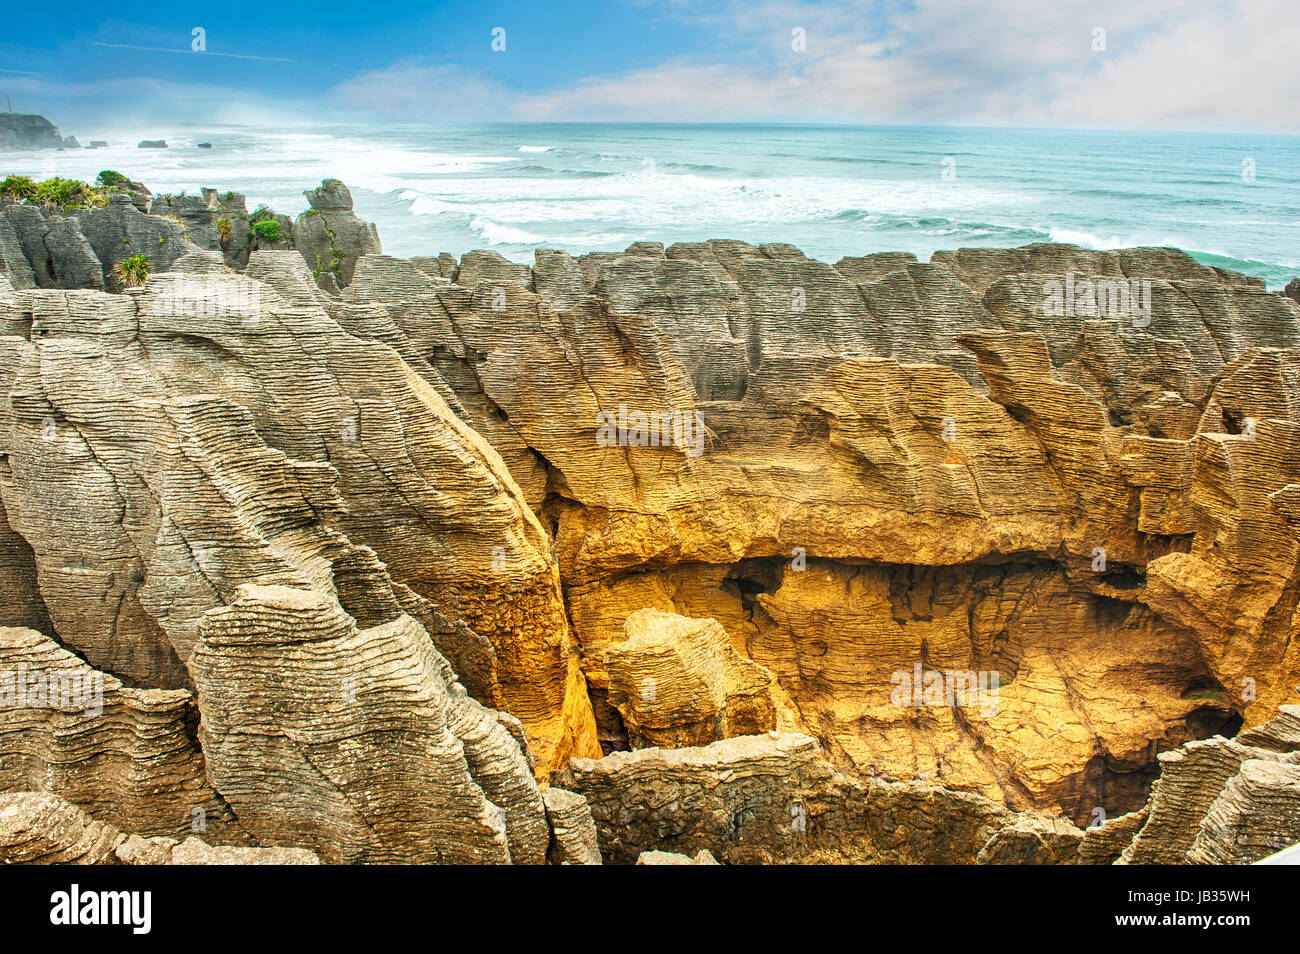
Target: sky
{"x":1207,"y":65}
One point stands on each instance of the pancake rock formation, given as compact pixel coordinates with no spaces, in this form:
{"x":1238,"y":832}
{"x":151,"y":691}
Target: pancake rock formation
{"x":709,"y":548}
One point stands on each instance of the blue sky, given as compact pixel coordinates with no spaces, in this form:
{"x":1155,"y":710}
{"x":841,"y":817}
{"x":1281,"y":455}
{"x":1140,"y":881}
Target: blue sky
{"x":1157,"y":64}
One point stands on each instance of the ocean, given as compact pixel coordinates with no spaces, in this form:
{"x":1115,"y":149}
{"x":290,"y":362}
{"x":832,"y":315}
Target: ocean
{"x":1229,"y":200}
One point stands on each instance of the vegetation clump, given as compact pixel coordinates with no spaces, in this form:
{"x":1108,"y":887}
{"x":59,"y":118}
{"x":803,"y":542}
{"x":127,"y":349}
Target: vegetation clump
{"x":18,"y":187}
{"x":268,"y":229}
{"x":63,"y":194}
{"x":132,"y":271}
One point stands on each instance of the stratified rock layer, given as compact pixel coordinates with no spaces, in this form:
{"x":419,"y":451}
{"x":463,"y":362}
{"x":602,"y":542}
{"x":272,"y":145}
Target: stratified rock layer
{"x":772,"y":798}
{"x":127,"y":756}
{"x":451,"y":521}
{"x":574,"y":840}
{"x":679,"y":682}
{"x":164,"y":448}
{"x":861,"y":469}
{"x":43,"y":829}
{"x":379,"y":756}
{"x":1223,"y":801}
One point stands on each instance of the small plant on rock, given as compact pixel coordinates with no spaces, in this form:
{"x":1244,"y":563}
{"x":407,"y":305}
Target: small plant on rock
{"x":224,"y":228}
{"x":133,"y":271}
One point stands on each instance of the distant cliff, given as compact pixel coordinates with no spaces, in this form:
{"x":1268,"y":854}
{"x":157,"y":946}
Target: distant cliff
{"x":29,"y":131}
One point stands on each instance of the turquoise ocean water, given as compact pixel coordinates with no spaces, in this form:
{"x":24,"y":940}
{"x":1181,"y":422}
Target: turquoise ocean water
{"x":1230,"y":200}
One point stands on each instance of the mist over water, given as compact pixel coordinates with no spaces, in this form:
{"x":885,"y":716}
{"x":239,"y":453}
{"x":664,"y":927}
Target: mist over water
{"x":830,"y":190}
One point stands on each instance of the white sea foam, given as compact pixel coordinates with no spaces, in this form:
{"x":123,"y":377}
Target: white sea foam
{"x":498,"y":233}
{"x":431,"y":188}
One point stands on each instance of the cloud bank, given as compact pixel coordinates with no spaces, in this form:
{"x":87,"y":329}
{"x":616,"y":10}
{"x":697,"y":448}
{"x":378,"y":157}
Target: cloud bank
{"x":1157,"y":64}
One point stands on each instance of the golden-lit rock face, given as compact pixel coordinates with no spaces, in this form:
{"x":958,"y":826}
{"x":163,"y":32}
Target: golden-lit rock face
{"x":678,"y":682}
{"x":999,"y":543}
{"x":944,"y":526}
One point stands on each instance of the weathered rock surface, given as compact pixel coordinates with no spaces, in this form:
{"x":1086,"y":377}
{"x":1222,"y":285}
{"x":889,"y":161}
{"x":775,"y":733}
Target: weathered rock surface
{"x":1256,"y":815}
{"x":573,"y":832}
{"x":41,"y":828}
{"x":195,"y":851}
{"x":167,"y":447}
{"x":994,"y":556}
{"x":1217,"y":801}
{"x":379,"y":756}
{"x":900,"y":463}
{"x":679,"y":682}
{"x":702,"y":857}
{"x":127,"y":756}
{"x":1104,"y":842}
{"x":80,"y":249}
{"x":330,"y":236}
{"x":773,"y":798}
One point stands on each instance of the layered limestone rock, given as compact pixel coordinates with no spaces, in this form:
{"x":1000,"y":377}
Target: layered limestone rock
{"x":773,"y":798}
{"x":44,"y":829}
{"x":331,"y":238}
{"x":79,"y":250}
{"x":126,"y":756}
{"x":1217,"y":801}
{"x":165,"y":448}
{"x":574,"y":840}
{"x":864,"y":469}
{"x":195,"y":851}
{"x":379,"y":755}
{"x":702,"y":857}
{"x":996,"y":530}
{"x":1104,"y":842}
{"x":42,"y":247}
{"x":1256,"y":815}
{"x":679,"y":682}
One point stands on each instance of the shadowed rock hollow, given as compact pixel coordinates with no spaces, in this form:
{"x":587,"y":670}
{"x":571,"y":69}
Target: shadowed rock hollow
{"x":966,"y":555}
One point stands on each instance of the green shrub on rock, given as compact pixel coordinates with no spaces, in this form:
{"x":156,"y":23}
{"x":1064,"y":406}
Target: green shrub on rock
{"x":268,"y":229}
{"x":18,"y":187}
{"x":67,"y":194}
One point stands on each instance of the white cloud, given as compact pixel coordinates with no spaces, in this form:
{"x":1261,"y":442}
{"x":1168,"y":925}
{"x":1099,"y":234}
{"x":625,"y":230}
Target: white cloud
{"x":1021,"y":62}
{"x":413,"y":90}
{"x":1216,"y":64}
{"x":1210,"y":70}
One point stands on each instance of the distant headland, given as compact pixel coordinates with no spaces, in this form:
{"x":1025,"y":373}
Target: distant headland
{"x":30,"y":131}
